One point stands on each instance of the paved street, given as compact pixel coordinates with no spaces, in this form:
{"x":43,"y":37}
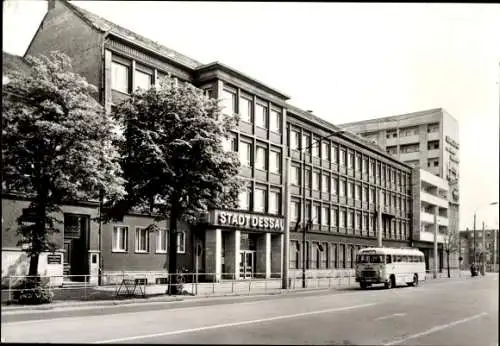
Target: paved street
{"x":455,"y":312}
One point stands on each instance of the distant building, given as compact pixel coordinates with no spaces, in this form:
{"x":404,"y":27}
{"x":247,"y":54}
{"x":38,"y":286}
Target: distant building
{"x":428,"y":139}
{"x":491,"y":246}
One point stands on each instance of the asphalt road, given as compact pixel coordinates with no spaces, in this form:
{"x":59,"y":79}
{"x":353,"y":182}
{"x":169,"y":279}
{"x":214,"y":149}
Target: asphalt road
{"x":456,"y":312}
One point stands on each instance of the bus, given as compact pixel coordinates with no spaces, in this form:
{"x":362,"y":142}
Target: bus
{"x":389,"y":266}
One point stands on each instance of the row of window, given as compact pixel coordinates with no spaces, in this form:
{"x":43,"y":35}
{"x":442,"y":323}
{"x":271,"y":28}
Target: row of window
{"x":251,"y":109}
{"x":121,"y":78}
{"x":408,"y":131}
{"x":263,"y":201}
{"x":142,"y":240}
{"x":323,"y":255}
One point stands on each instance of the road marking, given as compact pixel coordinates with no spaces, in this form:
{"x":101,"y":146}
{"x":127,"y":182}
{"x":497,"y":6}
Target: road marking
{"x":225,"y":325}
{"x":436,"y":329}
{"x":399,"y":314}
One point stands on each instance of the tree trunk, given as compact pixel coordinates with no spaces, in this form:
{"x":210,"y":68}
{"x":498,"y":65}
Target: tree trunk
{"x":448,"y":262}
{"x":172,"y":254}
{"x":39,"y":231}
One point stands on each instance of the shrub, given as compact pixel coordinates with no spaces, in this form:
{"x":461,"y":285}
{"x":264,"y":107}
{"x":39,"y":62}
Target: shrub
{"x":32,"y":292}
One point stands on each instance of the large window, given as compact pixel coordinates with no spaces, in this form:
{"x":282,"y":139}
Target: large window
{"x":357,"y":194}
{"x":260,"y":200}
{"x":244,"y":199}
{"x":229,"y":102}
{"x":365,"y":165}
{"x":315,"y":181}
{"x":433,"y":128}
{"x":142,"y":80}
{"x":410,"y":148}
{"x":335,"y":186}
{"x":229,"y":144}
{"x":119,"y":77}
{"x":295,"y":211}
{"x":350,"y":219}
{"x":325,"y":216}
{"x":294,"y":140}
{"x":325,"y":186}
{"x":295,"y":176}
{"x":260,"y":158}
{"x":316,"y":148}
{"x":342,"y":218}
{"x":432,"y":145}
{"x":120,"y":238}
{"x":325,"y":152}
{"x":350,"y":188}
{"x":342,"y":188}
{"x":141,"y":240}
{"x":350,"y":160}
{"x":245,"y":154}
{"x":245,"y":109}
{"x":316,"y":214}
{"x":358,"y":163}
{"x":274,"y":162}
{"x":261,"y":115}
{"x":274,"y":202}
{"x":334,"y":217}
{"x":161,"y":241}
{"x":275,"y":121}
{"x":408,"y":131}
{"x":343,"y":158}
{"x":306,"y":146}
{"x":334,"y":154}
{"x":181,"y":242}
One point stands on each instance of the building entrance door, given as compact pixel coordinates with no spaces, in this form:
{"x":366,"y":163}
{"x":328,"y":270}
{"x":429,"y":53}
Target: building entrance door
{"x":247,"y":264}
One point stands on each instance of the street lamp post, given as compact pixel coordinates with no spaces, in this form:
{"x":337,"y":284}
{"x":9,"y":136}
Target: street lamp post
{"x":474,"y":241}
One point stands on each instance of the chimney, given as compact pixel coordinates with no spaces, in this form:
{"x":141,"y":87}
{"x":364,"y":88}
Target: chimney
{"x":52,"y":4}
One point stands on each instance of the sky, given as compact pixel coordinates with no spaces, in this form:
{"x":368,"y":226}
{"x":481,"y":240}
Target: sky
{"x":345,"y":61}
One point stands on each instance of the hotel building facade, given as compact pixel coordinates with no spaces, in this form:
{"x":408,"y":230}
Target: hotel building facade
{"x":346,"y":187}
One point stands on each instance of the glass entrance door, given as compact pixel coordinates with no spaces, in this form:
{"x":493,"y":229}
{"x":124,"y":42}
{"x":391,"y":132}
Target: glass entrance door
{"x":247,"y":264}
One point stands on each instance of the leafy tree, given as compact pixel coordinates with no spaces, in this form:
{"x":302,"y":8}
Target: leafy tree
{"x":58,"y":146}
{"x":173,"y":158}
{"x":450,"y":246}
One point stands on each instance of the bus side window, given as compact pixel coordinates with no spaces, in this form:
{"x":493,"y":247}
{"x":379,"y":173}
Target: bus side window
{"x":388,"y":259}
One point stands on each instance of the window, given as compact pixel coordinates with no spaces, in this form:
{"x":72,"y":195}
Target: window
{"x":365,"y":165}
{"x":295,"y":176}
{"x":325,"y":216}
{"x":261,"y":115}
{"x":120,"y":77}
{"x":350,"y":160}
{"x":244,"y":200}
{"x":342,"y":157}
{"x":342,"y":188}
{"x":229,"y":102}
{"x":307,"y":178}
{"x":316,"y":214}
{"x":350,"y":190}
{"x":325,"y":152}
{"x":335,"y":184}
{"x":294,"y":140}
{"x":358,"y":163}
{"x":350,"y":219}
{"x":260,"y":200}
{"x":229,"y":144}
{"x":365,"y":194}
{"x":432,"y":145}
{"x":334,"y":217}
{"x":260,"y":158}
{"x":181,"y":242}
{"x":357,"y":192}
{"x":142,"y":80}
{"x":161,"y":241}
{"x":274,"y":202}
{"x":391,"y":133}
{"x":410,"y":148}
{"x":245,"y":109}
{"x":275,"y":121}
{"x":274,"y":162}
{"x":432,"y":162}
{"x":334,"y":154}
{"x":141,"y":240}
{"x":295,"y":211}
{"x":325,"y":186}
{"x":433,"y":128}
{"x":365,"y":222}
{"x":392,"y":150}
{"x":315,"y":181}
{"x":120,"y":238}
{"x":315,"y":148}
{"x":372,"y":195}
{"x":342,"y":218}
{"x":245,"y":154}
{"x":306,"y":143}
{"x":357,"y":221}
{"x":408,"y":131}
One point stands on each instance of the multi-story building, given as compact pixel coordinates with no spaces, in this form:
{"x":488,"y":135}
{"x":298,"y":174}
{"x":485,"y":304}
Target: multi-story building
{"x":491,"y":247}
{"x":430,"y":212}
{"x":336,"y":177}
{"x":428,"y":139}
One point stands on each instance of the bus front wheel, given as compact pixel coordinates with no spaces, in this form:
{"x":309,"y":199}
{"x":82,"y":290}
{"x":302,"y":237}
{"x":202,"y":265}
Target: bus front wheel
{"x":363,"y":285}
{"x":391,"y":283}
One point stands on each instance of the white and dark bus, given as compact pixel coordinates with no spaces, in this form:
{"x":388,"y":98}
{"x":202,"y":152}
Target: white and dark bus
{"x":390,"y":266}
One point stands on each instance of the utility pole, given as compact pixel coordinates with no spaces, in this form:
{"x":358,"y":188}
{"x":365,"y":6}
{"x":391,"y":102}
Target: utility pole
{"x":286,"y":248}
{"x":474,"y":241}
{"x":435,"y":242}
{"x":484,"y":252}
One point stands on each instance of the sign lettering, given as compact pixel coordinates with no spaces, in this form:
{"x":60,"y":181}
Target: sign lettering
{"x":450,"y":141}
{"x":244,"y":220}
{"x":54,"y":259}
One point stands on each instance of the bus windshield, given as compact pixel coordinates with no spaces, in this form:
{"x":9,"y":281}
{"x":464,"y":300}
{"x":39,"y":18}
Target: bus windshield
{"x":370,"y":259}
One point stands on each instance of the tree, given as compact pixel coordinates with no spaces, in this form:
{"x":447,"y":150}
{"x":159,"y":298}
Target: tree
{"x":173,"y":158}
{"x":450,"y":246}
{"x":58,"y":146}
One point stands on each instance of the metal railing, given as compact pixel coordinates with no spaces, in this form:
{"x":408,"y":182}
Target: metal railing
{"x":149,"y":284}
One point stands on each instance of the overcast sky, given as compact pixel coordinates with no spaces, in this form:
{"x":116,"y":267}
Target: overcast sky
{"x":346,"y":62}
